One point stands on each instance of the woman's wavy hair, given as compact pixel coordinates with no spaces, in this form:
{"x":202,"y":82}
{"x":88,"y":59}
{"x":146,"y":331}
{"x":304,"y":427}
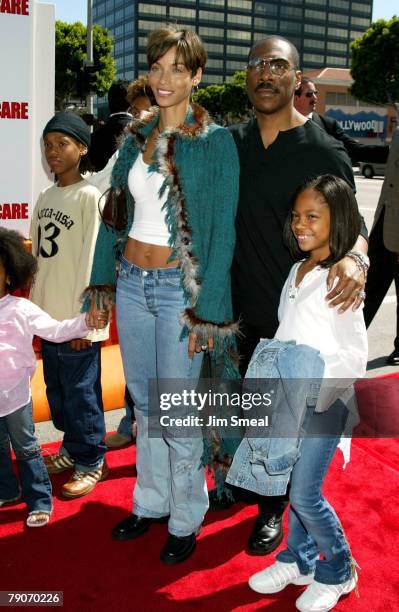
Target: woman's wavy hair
{"x":345,"y":220}
{"x":20,"y":266}
{"x":140,"y":89}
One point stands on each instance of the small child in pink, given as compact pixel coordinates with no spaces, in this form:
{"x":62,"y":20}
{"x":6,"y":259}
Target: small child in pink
{"x":20,"y":320}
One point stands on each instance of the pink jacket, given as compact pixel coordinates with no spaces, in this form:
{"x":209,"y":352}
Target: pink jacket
{"x":20,"y":320}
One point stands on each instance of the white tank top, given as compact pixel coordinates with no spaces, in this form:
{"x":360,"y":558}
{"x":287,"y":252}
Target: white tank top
{"x":149,"y":220}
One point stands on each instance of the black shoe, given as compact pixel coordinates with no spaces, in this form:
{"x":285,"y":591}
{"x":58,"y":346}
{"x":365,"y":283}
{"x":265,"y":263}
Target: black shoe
{"x":177,"y":549}
{"x":266,"y":534}
{"x":222,"y":502}
{"x":393,"y":358}
{"x":135,"y":526}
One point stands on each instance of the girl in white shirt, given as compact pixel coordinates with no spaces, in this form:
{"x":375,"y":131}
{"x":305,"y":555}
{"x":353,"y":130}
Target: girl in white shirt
{"x":323,"y":226}
{"x":20,"y":320}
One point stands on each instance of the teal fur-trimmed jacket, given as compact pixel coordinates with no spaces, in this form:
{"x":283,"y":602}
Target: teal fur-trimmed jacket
{"x":200,"y":164}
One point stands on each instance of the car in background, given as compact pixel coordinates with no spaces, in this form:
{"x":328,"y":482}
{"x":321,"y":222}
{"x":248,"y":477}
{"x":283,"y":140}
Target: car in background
{"x":368,"y":170}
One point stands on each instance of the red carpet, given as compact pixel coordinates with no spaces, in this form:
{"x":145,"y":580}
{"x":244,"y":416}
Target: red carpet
{"x":75,"y":553}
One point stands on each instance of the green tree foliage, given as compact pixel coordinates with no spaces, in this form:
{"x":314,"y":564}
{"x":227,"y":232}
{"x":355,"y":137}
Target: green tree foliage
{"x":235,"y":103}
{"x":228,"y":101}
{"x":210,"y":98}
{"x":239,"y":78}
{"x":375,"y":63}
{"x":70,"y":53}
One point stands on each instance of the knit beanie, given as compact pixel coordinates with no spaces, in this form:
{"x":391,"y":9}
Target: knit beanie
{"x":69,"y":124}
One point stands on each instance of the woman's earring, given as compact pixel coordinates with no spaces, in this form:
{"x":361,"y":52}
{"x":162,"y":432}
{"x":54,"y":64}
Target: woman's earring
{"x":194,"y":89}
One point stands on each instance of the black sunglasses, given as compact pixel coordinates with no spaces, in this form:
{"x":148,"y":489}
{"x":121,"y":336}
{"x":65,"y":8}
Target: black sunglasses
{"x":309,"y":94}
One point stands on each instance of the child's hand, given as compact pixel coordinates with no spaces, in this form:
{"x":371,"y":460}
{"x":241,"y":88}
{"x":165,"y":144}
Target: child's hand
{"x":97,"y":319}
{"x":79,"y":344}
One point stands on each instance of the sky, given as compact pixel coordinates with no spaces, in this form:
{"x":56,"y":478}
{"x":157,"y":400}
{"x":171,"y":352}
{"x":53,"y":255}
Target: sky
{"x":75,"y":10}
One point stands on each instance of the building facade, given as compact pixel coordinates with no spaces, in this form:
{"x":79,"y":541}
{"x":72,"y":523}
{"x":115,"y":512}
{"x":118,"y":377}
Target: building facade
{"x":321,"y":29}
{"x":365,"y":122}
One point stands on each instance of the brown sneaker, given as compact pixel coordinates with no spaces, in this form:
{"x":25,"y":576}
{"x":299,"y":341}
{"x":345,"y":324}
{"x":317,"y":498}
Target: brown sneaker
{"x":81,"y":483}
{"x":56,"y":464}
{"x":115,"y":440}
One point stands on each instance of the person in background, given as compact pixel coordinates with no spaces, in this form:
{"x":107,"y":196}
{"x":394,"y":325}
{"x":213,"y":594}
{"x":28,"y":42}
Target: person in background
{"x":140,"y":98}
{"x":305,"y":102}
{"x":104,"y":141}
{"x":384,"y":246}
{"x":20,"y":320}
{"x":64,"y":229}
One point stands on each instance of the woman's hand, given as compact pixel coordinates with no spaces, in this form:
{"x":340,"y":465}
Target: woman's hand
{"x":97,"y":319}
{"x":349,"y":291}
{"x":195,"y":347}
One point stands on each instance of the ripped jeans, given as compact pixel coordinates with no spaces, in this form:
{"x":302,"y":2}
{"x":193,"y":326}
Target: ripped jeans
{"x":18,"y":428}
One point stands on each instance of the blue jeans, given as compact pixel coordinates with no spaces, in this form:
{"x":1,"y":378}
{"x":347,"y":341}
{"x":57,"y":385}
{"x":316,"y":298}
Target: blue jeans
{"x":293,"y":373}
{"x":314,"y":527}
{"x":73,"y":387}
{"x":170,"y":478}
{"x":126,"y":422}
{"x":18,"y":428}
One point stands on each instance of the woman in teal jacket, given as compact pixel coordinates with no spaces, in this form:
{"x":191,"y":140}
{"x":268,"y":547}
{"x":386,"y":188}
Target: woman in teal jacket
{"x":169,"y":225}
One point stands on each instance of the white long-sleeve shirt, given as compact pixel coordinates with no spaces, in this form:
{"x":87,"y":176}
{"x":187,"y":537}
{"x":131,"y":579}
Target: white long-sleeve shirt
{"x":305,"y":316}
{"x":341,"y":339}
{"x":20,"y":320}
{"x":102,"y":179}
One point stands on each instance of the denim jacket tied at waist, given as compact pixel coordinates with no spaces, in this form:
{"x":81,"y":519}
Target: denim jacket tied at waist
{"x":265,"y":457}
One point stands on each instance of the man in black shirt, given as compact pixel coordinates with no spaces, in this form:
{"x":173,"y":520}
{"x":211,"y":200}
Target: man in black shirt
{"x":305,"y":102}
{"x":104,"y":141}
{"x":278,"y":150}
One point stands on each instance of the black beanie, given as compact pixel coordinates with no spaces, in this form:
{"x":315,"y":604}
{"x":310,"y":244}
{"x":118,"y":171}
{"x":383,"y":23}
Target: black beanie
{"x":69,"y":124}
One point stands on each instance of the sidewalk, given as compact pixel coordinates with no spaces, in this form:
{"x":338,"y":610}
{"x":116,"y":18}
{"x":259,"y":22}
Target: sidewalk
{"x":46,"y":432}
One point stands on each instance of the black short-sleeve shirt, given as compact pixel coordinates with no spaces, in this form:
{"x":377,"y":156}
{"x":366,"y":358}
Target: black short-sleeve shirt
{"x":269,"y":179}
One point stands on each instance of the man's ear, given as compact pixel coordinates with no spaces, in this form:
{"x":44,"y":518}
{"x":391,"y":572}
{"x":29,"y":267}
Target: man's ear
{"x":298,"y":79}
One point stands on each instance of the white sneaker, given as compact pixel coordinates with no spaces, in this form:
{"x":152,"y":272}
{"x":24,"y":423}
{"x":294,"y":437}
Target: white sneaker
{"x":275,"y":578}
{"x":320,"y":597}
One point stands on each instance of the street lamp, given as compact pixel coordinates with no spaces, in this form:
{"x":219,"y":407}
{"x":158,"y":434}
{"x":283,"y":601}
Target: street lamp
{"x":89,"y":50}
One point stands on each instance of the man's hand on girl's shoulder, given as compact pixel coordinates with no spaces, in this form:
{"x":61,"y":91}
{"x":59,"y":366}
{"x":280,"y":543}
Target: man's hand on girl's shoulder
{"x":349,"y":290}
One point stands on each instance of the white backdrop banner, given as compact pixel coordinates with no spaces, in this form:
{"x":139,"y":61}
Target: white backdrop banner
{"x":26,"y":102}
